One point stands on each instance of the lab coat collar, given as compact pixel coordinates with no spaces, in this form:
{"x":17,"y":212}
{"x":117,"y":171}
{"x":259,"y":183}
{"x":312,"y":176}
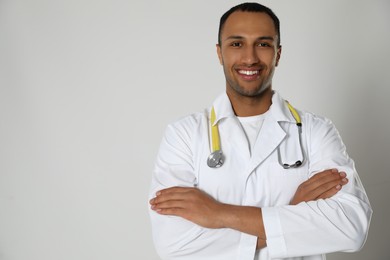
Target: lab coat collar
{"x":278,"y":110}
{"x":223,"y":108}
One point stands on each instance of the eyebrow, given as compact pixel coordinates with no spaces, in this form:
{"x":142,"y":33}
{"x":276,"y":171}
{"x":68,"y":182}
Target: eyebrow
{"x":262,"y":38}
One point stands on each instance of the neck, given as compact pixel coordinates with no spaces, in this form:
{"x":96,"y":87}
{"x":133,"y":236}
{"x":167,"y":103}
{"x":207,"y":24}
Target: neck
{"x":250,"y":106}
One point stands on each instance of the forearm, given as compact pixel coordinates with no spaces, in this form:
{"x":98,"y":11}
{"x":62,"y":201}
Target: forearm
{"x":333,"y":225}
{"x":250,"y":219}
{"x":200,"y":208}
{"x":245,"y":219}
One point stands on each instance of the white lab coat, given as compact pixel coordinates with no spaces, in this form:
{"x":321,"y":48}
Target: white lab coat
{"x":304,"y":231}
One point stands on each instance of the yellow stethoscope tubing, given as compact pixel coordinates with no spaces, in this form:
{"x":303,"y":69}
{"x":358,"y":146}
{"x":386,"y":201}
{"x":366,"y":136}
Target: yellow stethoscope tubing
{"x":216,"y":158}
{"x":294,"y":113}
{"x":215,"y":140}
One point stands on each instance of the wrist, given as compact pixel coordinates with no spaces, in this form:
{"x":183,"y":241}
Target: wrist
{"x":246,"y":219}
{"x":223,"y":215}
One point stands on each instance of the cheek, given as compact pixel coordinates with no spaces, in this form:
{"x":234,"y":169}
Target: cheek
{"x":226,"y":64}
{"x":230,"y":58}
{"x":267,"y":56}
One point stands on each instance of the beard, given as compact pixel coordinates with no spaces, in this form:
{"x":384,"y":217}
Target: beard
{"x":263,"y":85}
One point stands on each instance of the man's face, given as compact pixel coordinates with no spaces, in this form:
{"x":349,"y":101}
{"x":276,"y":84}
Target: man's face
{"x":248,"y":53}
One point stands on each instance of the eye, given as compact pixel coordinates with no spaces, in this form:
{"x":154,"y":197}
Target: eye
{"x":264,"y":44}
{"x":236,"y":44}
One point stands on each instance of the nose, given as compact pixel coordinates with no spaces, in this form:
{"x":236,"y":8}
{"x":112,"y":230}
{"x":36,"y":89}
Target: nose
{"x":249,"y":56}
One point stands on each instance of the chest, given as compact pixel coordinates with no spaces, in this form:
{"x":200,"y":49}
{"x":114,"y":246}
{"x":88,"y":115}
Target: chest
{"x":254,"y":177}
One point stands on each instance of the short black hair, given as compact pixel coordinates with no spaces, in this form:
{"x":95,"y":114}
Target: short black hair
{"x":250,"y":7}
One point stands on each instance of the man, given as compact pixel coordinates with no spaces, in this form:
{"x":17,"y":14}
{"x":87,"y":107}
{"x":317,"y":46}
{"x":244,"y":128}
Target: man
{"x":261,"y":203}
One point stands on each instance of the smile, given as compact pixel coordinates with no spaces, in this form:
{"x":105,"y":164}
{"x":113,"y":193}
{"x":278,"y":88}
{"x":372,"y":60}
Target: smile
{"x":248,"y":72}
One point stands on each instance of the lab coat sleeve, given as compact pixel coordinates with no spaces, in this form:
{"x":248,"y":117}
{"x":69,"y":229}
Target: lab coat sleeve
{"x":339,"y":223}
{"x":174,"y":236}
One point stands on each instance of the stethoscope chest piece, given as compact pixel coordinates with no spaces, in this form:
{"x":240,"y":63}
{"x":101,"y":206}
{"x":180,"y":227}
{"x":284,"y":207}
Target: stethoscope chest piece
{"x":215,"y":159}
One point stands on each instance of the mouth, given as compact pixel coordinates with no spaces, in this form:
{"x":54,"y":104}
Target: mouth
{"x":248,"y":74}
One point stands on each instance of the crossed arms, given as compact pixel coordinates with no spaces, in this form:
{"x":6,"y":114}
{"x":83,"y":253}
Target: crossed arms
{"x":323,"y":214}
{"x":200,"y":208}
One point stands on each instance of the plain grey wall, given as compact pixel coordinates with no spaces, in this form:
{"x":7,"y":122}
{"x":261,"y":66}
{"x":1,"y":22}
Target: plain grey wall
{"x":87,"y":87}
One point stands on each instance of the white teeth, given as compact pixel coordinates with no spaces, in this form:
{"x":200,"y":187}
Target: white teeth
{"x":248,"y":72}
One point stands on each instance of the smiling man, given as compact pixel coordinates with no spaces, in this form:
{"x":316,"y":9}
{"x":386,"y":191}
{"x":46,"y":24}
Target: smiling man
{"x":249,"y":52}
{"x":251,"y":177}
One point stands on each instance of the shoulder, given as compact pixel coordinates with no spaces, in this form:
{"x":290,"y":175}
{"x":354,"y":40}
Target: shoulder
{"x":188,"y":125}
{"x":319,"y":129}
{"x":189,"y":121}
{"x":315,"y":120}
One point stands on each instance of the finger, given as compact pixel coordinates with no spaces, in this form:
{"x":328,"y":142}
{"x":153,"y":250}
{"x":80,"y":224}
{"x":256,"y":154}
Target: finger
{"x":329,"y":193}
{"x":170,"y":193}
{"x":161,"y":198}
{"x":187,"y":195}
{"x":324,"y":173}
{"x":333,"y":190}
{"x":169,"y":204}
{"x":337,"y":179}
{"x":324,"y":178}
{"x":344,"y":179}
{"x":327,"y":183}
{"x":329,"y":186}
{"x":320,"y":175}
{"x":180,"y":208}
{"x":171,"y":211}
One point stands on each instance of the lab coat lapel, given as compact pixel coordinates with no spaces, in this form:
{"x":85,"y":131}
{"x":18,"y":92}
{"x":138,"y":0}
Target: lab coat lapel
{"x":270,"y":136}
{"x":271,"y":133}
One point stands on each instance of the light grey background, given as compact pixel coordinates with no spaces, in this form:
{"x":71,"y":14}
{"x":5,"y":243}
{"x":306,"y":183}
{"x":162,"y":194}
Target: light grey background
{"x":87,"y":88}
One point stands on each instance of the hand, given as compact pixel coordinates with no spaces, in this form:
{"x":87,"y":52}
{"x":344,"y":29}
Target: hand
{"x":322,"y":185}
{"x":189,"y":203}
{"x":261,"y":243}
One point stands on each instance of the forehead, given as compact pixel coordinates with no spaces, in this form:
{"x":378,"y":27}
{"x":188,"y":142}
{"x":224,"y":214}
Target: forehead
{"x":248,"y":24}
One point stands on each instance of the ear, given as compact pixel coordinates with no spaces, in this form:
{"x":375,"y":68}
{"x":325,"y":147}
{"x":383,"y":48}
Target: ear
{"x":219,"y":53}
{"x":278,"y":55}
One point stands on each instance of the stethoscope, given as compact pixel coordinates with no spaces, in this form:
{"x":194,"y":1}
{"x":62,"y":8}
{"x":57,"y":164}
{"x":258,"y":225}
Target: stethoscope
{"x":216,"y":158}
